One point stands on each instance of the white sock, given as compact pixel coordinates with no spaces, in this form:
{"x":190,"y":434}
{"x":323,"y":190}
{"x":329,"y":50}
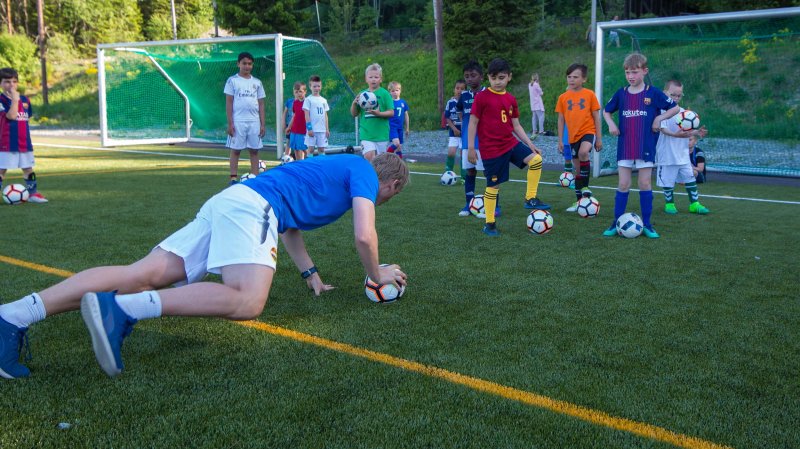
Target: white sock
{"x":142,"y":305}
{"x":24,"y":312}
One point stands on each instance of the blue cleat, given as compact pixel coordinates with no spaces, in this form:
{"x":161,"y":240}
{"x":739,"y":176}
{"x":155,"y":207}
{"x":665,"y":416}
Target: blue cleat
{"x":490,"y":229}
{"x":650,"y":232}
{"x":497,"y":211}
{"x":12,"y":339}
{"x":611,"y":231}
{"x":536,"y":203}
{"x":108,"y":326}
{"x":464,"y":212}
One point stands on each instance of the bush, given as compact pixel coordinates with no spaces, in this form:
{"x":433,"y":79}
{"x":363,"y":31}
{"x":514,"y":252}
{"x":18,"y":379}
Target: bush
{"x":19,"y":53}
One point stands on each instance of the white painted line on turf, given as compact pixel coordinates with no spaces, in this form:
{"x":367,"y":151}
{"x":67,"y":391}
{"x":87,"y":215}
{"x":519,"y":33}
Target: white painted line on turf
{"x":722,"y":197}
{"x":201,"y":156}
{"x":116,"y":150}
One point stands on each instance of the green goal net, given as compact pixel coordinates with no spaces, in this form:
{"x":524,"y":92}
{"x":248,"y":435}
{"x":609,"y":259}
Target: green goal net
{"x":172,"y":91}
{"x":739,"y":74}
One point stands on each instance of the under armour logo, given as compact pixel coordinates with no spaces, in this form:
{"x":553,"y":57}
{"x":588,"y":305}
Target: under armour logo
{"x":581,"y":104}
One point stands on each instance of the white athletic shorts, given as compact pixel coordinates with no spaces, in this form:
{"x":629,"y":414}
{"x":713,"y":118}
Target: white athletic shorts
{"x":245,"y":135}
{"x":235,"y":226}
{"x":15,"y":159}
{"x":638,"y":163}
{"x":454,"y":142}
{"x":467,"y":164}
{"x":377,"y":147}
{"x":668,"y":175}
{"x":319,"y":140}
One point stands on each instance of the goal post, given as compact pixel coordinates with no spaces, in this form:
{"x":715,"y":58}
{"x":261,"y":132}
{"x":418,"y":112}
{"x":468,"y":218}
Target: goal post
{"x":737,"y":70}
{"x":172,"y":91}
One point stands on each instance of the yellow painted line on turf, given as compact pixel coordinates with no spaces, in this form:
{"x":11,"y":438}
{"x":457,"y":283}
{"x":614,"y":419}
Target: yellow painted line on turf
{"x":35,"y":266}
{"x":561,"y":407}
{"x":565,"y":408}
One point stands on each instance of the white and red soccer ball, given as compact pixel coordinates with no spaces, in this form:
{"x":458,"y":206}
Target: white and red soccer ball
{"x":15,"y":194}
{"x":540,"y":222}
{"x":567,"y":179}
{"x":588,"y":207}
{"x":687,"y":120}
{"x":382,"y":293}
{"x":476,"y":206}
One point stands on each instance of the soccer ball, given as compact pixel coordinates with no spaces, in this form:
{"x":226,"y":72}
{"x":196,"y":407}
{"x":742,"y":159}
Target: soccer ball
{"x":262,"y":166}
{"x":367,"y":100}
{"x":566,"y":179}
{"x":540,"y":222}
{"x":382,"y":293}
{"x":588,"y":207}
{"x":629,"y":225}
{"x":15,"y":194}
{"x":247,"y":176}
{"x":476,"y":205}
{"x":448,"y":178}
{"x":687,"y":120}
{"x":285,"y":159}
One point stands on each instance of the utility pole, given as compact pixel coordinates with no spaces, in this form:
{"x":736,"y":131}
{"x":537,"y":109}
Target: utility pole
{"x":439,"y":34}
{"x":174,"y":22}
{"x":216,"y":26}
{"x":8,"y":17}
{"x":42,"y":48}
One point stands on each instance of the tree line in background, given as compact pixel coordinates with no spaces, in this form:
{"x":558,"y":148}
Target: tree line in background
{"x":472,"y":28}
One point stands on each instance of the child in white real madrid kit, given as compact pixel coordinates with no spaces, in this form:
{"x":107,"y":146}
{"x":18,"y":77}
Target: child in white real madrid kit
{"x":244,"y":107}
{"x":673,"y":160}
{"x":315,"y":108}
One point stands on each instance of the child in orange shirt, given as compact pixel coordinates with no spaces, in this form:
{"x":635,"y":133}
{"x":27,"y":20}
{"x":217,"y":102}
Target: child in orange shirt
{"x":579,"y":110}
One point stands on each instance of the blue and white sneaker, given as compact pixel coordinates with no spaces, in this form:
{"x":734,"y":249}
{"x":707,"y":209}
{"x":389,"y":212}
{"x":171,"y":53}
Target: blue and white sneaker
{"x":490,"y":229}
{"x":12,"y":339}
{"x":464,"y":212}
{"x":108,"y":326}
{"x":536,"y":203}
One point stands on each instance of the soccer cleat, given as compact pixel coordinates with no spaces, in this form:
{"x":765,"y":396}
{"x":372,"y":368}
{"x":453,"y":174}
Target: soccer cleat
{"x":37,"y":198}
{"x":671,"y":209}
{"x":586,"y":193}
{"x":650,"y":232}
{"x":12,"y":339}
{"x":573,"y":208}
{"x":490,"y":229}
{"x":108,"y":326}
{"x":536,"y":203}
{"x":464,"y":212}
{"x":694,"y":208}
{"x":611,"y":231}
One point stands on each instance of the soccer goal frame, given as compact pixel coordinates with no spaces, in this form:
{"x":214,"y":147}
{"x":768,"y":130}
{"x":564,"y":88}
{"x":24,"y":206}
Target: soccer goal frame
{"x":620,"y":27}
{"x":180,"y":127}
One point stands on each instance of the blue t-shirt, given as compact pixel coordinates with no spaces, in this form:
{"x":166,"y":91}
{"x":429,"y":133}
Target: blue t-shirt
{"x":464,"y":106}
{"x":289,"y":113}
{"x":451,"y":112}
{"x":399,"y":119}
{"x":314,"y":192}
{"x":636,"y":114}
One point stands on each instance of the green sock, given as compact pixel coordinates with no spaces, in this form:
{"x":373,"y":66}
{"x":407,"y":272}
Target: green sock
{"x":691,"y":189}
{"x":448,"y":166}
{"x":668,"y":195}
{"x":568,"y":166}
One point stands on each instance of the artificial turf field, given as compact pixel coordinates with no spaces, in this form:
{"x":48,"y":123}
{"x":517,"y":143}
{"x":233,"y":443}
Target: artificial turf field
{"x":567,"y":340}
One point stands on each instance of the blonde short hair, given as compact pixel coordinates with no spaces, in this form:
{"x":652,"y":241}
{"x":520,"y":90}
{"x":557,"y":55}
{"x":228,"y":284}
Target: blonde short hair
{"x":635,"y":61}
{"x":391,"y":167}
{"x":394,"y":84}
{"x":376,"y":67}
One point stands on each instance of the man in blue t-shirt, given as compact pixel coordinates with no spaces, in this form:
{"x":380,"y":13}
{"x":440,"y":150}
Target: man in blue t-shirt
{"x":234,"y":234}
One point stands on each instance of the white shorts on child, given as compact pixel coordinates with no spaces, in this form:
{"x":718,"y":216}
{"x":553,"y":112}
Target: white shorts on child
{"x":319,"y":140}
{"x":15,"y":159}
{"x":454,"y":142}
{"x":467,"y":164}
{"x":235,"y":226}
{"x":668,"y":175}
{"x":377,"y":147}
{"x":638,"y":163}
{"x":245,"y":135}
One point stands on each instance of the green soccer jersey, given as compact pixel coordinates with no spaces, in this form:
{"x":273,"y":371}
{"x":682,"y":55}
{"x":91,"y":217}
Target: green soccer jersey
{"x":371,"y":127}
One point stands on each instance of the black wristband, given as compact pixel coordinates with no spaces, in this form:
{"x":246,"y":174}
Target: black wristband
{"x":306,"y":274}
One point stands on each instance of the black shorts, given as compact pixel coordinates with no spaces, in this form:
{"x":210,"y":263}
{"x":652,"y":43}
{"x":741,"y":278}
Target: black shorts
{"x":575,"y":146}
{"x":496,"y":169}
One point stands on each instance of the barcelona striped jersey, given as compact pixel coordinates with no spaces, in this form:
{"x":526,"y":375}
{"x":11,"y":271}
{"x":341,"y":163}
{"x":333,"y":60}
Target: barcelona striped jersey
{"x":636,"y":115}
{"x":15,"y":135}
